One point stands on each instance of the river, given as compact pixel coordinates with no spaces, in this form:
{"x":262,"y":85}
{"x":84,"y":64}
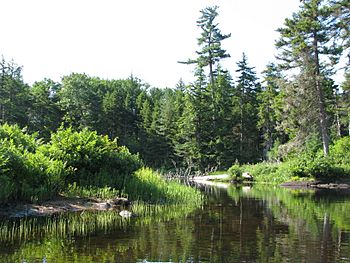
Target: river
{"x":246,"y":224}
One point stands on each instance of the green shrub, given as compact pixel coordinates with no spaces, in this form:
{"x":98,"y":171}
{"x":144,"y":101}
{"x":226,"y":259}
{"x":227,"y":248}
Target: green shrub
{"x":263,"y":172}
{"x":92,"y":159}
{"x":340,"y":151}
{"x":32,"y":171}
{"x":19,"y":137}
{"x":28,"y":175}
{"x":235,"y":172}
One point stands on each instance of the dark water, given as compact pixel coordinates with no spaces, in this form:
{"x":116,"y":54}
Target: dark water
{"x":258,"y":224}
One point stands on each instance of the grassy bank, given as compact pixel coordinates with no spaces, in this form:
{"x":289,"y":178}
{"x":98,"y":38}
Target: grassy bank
{"x":307,"y":165}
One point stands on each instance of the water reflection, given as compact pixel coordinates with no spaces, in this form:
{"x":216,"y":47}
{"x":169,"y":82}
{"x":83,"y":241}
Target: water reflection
{"x":254,"y":224}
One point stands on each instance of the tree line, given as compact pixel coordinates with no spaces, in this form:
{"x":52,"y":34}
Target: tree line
{"x":216,"y":120}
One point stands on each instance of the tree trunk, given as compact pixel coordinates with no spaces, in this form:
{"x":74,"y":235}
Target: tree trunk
{"x":320,"y":97}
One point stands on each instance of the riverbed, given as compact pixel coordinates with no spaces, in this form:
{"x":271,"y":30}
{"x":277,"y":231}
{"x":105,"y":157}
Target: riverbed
{"x":235,"y":224}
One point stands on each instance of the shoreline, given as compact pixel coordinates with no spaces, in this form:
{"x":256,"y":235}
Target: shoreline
{"x":77,"y":204}
{"x":62,"y":205}
{"x":316,"y":185}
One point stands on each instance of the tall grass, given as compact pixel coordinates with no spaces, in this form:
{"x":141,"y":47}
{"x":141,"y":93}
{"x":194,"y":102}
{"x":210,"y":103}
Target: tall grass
{"x":74,"y":190}
{"x":148,"y":185}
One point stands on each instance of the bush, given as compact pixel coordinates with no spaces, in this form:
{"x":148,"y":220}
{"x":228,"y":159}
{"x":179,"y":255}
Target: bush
{"x":32,"y":171}
{"x":340,"y":152}
{"x":19,"y":137}
{"x":26,"y":174}
{"x":92,"y":159}
{"x":235,"y":172}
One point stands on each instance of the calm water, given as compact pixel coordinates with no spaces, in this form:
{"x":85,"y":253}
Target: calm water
{"x":258,"y":224}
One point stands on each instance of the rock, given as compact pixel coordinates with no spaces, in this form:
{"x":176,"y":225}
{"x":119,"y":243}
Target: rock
{"x":126,"y":214}
{"x":247,"y":176}
{"x":102,"y":206}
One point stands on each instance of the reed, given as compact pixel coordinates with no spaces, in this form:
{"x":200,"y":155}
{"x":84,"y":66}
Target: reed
{"x":148,"y":185}
{"x":86,"y":223}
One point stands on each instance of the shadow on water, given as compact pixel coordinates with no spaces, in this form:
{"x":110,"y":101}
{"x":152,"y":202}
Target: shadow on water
{"x":244,"y":224}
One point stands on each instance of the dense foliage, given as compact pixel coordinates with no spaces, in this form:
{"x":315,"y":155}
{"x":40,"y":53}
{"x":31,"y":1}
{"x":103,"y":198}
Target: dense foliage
{"x":309,"y":164}
{"x":32,"y":170}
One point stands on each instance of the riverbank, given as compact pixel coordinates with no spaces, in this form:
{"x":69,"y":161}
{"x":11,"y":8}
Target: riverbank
{"x":62,"y":205}
{"x":312,"y":184}
{"x":316,"y":185}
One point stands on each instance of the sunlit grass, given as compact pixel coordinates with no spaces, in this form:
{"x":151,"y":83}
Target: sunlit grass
{"x":148,"y":185}
{"x":73,"y":190}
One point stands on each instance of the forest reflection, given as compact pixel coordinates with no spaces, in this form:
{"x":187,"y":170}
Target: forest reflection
{"x":236,"y":224}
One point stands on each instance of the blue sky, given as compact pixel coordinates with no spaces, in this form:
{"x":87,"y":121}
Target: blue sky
{"x":112,"y":38}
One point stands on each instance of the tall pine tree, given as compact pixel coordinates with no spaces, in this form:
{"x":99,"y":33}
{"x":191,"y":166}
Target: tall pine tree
{"x":305,"y":39}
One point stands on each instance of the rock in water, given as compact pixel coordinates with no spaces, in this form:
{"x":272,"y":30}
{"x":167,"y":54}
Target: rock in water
{"x":126,"y":214}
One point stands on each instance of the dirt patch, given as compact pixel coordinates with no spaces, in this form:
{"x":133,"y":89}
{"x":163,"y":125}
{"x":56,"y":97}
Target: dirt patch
{"x":61,"y":205}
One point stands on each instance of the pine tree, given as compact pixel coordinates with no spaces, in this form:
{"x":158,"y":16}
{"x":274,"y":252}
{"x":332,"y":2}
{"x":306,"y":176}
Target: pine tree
{"x":210,"y":42}
{"x":187,"y":147}
{"x":304,"y":39}
{"x":246,"y":107}
{"x":268,"y":115}
{"x":224,"y":137}
{"x":341,"y":30}
{"x":202,"y":93}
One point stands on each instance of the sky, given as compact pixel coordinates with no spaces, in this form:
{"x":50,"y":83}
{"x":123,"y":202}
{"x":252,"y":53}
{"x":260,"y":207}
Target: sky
{"x":113,"y":39}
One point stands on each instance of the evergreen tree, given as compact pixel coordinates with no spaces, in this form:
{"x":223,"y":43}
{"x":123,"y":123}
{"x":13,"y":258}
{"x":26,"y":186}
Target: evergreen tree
{"x":268,"y":107}
{"x":304,"y":39}
{"x":113,"y":110}
{"x":341,"y":31}
{"x":209,"y":42}
{"x":202,"y":93}
{"x":186,"y":146}
{"x":174,"y":110}
{"x":224,"y":138}
{"x":246,"y":109}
